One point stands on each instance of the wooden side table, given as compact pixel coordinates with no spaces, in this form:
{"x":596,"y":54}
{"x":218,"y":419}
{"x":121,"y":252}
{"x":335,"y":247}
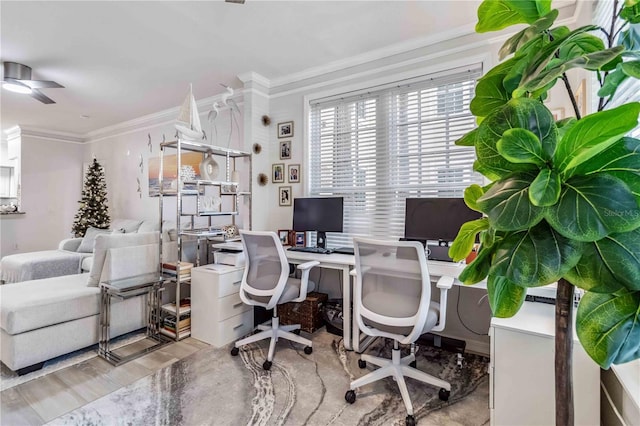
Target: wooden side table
{"x":150,"y":284}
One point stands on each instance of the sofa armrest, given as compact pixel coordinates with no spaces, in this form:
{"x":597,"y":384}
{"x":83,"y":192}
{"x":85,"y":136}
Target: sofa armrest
{"x":70,"y":244}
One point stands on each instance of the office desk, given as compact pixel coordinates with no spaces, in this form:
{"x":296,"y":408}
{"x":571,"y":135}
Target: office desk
{"x":346,"y":262}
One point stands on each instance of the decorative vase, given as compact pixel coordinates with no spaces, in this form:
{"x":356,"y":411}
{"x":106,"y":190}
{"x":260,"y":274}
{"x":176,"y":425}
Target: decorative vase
{"x":209,"y":169}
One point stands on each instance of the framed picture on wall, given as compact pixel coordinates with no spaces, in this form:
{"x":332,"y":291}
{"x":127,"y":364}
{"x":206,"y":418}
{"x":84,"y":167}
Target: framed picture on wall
{"x":581,"y":97}
{"x":278,"y":173}
{"x":283,"y":234}
{"x":294,"y":173}
{"x":285,"y":150}
{"x":300,"y":239}
{"x":284,"y":195}
{"x":285,"y":130}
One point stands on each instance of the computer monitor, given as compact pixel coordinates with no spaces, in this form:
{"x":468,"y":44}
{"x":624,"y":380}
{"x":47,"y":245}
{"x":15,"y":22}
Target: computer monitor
{"x":321,"y":214}
{"x":437,"y":219}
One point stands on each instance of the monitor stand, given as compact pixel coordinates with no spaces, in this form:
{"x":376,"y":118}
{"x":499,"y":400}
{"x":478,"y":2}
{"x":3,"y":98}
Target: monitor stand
{"x":321,"y":239}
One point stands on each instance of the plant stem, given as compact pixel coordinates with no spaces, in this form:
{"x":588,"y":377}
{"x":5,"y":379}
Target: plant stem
{"x":576,"y":109}
{"x":564,"y":353}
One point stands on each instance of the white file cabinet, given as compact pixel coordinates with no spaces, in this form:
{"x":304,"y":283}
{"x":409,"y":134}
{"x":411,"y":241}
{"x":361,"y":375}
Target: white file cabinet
{"x":218,"y":316}
{"x":522,"y":382}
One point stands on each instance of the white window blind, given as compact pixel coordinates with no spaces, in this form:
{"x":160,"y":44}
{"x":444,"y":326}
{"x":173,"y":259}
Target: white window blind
{"x":379,"y":147}
{"x":629,"y":90}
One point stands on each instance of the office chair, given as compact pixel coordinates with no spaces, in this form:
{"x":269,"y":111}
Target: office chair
{"x":392,"y":298}
{"x":266,"y":283}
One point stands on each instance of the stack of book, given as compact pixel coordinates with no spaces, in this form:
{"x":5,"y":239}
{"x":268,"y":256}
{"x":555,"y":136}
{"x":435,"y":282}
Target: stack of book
{"x":169,"y":323}
{"x":171,"y":268}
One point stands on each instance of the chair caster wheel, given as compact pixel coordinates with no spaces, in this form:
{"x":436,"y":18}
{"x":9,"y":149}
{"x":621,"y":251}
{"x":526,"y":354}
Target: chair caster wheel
{"x":413,"y":364}
{"x":444,"y":394}
{"x":350,"y":396}
{"x":235,"y":351}
{"x":410,"y":421}
{"x":267,"y":365}
{"x":362,"y":363}
{"x":308,"y":350}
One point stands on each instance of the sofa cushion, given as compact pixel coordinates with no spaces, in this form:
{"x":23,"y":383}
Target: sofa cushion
{"x":86,"y":263}
{"x":149,"y":226}
{"x":105,"y":242}
{"x":86,"y":246}
{"x":40,"y":303}
{"x":127,"y":225}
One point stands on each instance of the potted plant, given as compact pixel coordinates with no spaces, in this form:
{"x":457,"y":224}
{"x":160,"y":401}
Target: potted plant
{"x":563,"y":202}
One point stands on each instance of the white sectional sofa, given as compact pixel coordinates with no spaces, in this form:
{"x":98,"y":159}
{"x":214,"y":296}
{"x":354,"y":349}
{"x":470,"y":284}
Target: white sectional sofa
{"x":67,"y":259}
{"x":45,"y":318}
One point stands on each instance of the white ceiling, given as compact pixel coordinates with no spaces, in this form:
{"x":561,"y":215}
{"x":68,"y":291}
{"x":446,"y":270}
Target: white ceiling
{"x":123,"y":60}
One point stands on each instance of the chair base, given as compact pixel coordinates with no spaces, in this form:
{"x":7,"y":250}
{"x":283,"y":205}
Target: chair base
{"x":274,"y":332}
{"x":399,"y":368}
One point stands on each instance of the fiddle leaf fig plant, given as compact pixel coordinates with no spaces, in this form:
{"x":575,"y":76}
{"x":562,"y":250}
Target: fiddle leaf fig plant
{"x":563,"y":202}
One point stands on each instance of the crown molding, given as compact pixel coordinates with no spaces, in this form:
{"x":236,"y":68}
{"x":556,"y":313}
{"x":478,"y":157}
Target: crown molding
{"x":373,"y":55}
{"x":246,"y":77}
{"x":54,"y":135}
{"x":158,"y":118}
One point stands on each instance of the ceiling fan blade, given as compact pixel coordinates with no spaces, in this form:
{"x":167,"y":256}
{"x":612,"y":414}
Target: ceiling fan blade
{"x":35,"y":93}
{"x":42,"y":84}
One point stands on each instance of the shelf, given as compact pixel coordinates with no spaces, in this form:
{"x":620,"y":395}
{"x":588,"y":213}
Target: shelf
{"x":170,"y":307}
{"x":172,"y":278}
{"x":201,"y":147}
{"x":202,"y":233}
{"x":243,"y":193}
{"x":209,"y":182}
{"x":213,"y":214}
{"x":182,"y":334}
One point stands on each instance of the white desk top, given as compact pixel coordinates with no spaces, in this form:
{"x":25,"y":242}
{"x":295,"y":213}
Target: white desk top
{"x":629,"y":376}
{"x":532,"y":318}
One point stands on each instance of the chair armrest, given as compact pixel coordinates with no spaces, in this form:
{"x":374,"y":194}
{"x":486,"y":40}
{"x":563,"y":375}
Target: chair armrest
{"x":308,"y":265}
{"x":304,"y":280}
{"x":70,"y":244}
{"x":445,"y":282}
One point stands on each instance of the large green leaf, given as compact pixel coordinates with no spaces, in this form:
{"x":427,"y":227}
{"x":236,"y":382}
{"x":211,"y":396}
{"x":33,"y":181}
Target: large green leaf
{"x":583,"y":44}
{"x":630,"y":38}
{"x":477,"y":270}
{"x":469,"y":139}
{"x":518,"y":40}
{"x":612,"y":81}
{"x":609,"y":264}
{"x":463,"y":244}
{"x":631,"y":13}
{"x":471,"y":195}
{"x":507,"y":204}
{"x":592,"y":207}
{"x":545,"y":188}
{"x":535,"y":257}
{"x":631,"y":68}
{"x":537,"y":79}
{"x":522,"y":146}
{"x":521,"y":113}
{"x":494,"y":15}
{"x":593,"y":134}
{"x":505,"y":298}
{"x":490,"y":94}
{"x":608,"y":326}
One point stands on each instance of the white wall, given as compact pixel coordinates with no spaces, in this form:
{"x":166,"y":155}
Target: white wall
{"x":51,"y":187}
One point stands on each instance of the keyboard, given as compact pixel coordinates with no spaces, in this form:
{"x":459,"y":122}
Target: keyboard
{"x":344,"y":250}
{"x":311,"y":250}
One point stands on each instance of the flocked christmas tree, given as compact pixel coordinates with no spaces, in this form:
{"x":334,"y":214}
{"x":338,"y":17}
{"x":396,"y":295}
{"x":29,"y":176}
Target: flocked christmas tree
{"x":93,"y":209}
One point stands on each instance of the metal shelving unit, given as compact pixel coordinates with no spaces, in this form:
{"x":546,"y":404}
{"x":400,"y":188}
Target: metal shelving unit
{"x":225,"y":189}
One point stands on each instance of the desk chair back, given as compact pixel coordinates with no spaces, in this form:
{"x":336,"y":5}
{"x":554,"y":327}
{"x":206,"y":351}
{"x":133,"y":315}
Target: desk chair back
{"x":393,"y":289}
{"x":266,"y":269}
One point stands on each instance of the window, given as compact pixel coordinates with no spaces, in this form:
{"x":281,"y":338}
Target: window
{"x":628,"y":90}
{"x":380,"y":146}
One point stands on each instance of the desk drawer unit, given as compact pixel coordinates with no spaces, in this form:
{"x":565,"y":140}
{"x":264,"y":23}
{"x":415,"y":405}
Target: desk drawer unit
{"x":218,"y":316}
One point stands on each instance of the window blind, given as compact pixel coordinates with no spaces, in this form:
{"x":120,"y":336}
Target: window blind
{"x":629,"y":90}
{"x":378,"y":147}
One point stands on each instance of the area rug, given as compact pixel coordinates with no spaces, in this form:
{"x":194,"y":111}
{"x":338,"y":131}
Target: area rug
{"x":9,"y":379}
{"x":210,"y":387}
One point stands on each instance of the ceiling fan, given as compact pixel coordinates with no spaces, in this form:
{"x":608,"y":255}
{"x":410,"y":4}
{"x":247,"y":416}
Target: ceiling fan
{"x":17,"y":78}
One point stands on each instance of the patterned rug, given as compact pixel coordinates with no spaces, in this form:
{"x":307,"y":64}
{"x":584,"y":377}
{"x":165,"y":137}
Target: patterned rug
{"x":9,"y":379}
{"x":210,"y":387}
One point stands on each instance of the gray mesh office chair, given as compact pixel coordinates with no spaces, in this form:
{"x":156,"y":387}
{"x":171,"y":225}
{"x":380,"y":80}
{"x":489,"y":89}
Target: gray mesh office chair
{"x":392,"y":298}
{"x":266,"y":282}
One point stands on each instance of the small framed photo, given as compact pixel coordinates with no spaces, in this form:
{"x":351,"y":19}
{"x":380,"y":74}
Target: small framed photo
{"x":294,"y":173}
{"x":283,"y":234}
{"x":285,"y":130}
{"x":278,"y":173}
{"x":284,"y":195}
{"x":285,"y":150}
{"x":300,"y":239}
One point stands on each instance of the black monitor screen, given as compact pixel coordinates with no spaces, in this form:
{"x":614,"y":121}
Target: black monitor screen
{"x":318,"y":214}
{"x":436,"y":218}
